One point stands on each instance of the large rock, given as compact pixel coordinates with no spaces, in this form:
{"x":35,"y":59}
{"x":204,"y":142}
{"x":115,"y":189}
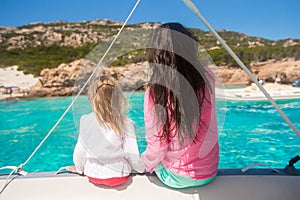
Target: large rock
{"x":287,"y":69}
{"x":63,"y":80}
{"x":69,"y":78}
{"x":232,"y":76}
{"x":130,"y":77}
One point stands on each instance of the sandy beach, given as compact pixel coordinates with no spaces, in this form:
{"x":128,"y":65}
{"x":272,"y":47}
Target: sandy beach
{"x":16,"y":80}
{"x":253,"y":93}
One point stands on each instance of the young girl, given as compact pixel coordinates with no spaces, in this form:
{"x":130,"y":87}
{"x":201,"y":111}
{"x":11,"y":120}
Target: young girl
{"x":179,"y":109}
{"x":106,"y":149}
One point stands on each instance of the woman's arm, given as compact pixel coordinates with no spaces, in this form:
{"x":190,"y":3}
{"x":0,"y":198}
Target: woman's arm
{"x":210,"y":118}
{"x":155,"y":151}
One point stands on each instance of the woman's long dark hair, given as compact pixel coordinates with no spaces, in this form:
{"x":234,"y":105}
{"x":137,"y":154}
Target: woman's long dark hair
{"x":173,"y":46}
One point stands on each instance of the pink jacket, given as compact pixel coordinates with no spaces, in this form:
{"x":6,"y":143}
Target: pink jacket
{"x":197,"y":160}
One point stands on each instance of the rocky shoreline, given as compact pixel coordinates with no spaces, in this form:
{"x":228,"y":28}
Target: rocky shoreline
{"x":66,"y":79}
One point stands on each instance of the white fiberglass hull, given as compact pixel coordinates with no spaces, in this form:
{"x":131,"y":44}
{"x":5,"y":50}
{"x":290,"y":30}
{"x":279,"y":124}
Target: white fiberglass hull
{"x":226,"y":186}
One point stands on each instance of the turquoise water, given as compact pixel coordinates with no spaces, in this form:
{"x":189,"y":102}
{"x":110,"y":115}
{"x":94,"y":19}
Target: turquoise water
{"x":250,"y":132}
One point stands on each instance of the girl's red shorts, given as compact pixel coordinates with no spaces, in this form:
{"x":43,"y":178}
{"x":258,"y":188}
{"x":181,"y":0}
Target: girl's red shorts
{"x":109,"y":181}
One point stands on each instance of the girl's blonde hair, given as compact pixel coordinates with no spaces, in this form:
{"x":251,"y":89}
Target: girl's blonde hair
{"x":108,"y":103}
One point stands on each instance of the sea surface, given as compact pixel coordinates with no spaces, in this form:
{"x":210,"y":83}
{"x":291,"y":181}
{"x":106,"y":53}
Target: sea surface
{"x":249,"y":132}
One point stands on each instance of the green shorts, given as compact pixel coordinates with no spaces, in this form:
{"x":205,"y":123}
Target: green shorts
{"x":177,"y":181}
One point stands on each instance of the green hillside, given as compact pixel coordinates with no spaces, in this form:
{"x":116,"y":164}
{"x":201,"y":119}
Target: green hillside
{"x":37,"y":46}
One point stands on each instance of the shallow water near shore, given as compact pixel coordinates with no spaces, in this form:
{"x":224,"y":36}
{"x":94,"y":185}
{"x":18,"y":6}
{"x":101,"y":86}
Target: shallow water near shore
{"x":252,"y":132}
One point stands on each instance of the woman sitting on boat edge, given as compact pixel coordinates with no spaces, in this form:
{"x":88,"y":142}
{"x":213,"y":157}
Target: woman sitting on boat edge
{"x":179,"y":111}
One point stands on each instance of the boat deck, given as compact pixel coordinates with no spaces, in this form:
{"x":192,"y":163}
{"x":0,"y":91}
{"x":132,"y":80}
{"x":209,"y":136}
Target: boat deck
{"x":228,"y":185}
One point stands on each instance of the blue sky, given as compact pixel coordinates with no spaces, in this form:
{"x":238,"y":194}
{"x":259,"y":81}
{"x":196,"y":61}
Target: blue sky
{"x":271,"y":19}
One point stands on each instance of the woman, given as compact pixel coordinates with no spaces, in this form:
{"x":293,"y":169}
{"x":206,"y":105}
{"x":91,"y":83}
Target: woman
{"x":179,"y":109}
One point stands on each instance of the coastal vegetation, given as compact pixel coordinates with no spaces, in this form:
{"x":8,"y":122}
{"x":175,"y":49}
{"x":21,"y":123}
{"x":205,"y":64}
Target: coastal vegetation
{"x":32,"y":60}
{"x":255,"y":54}
{"x":34,"y":47}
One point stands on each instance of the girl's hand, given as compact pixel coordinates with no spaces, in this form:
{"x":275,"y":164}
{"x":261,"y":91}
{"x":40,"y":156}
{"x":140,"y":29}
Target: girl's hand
{"x":71,"y":169}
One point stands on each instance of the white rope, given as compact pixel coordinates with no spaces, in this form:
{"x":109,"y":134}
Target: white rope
{"x":81,"y":90}
{"x":60,"y":170}
{"x":76,"y":97}
{"x":244,"y":170}
{"x":14,"y":169}
{"x":190,"y":4}
{"x":7,"y":180}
